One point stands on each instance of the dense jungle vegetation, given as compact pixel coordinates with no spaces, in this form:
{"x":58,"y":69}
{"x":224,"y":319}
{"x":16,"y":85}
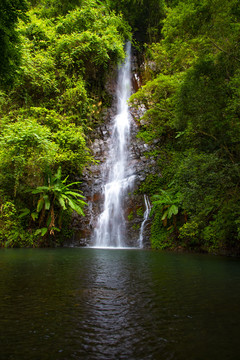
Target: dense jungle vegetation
{"x":56,"y":56}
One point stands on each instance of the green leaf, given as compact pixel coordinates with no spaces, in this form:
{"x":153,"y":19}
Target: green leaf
{"x":40,"y":204}
{"x":43,"y":231}
{"x":24,"y":212}
{"x":58,"y":175}
{"x":62,"y":202}
{"x":49,"y":220}
{"x":34,"y":215}
{"x":47,"y":202}
{"x":174,"y":209}
{"x":74,"y":183}
{"x":65,"y":180}
{"x":75,"y":207}
{"x":181,"y":133}
{"x":37,"y":232}
{"x":40,"y":189}
{"x":167,"y":197}
{"x":73,"y":193}
{"x":165,"y":215}
{"x":55,"y":229}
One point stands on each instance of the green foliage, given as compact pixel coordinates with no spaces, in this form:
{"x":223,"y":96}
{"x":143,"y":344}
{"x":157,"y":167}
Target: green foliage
{"x":25,"y":149}
{"x":191,"y":97}
{"x":151,"y":184}
{"x":189,"y":231}
{"x":201,"y":104}
{"x":168,"y":202}
{"x":55,"y":194}
{"x":68,"y":49}
{"x":12,"y":233}
{"x":10,"y":13}
{"x":159,"y":236}
{"x":90,"y":40}
{"x":166,"y":206}
{"x":73,"y":153}
{"x":74,"y":99}
{"x":136,"y":227}
{"x":55,"y":8}
{"x":145,"y":17}
{"x":202,"y":179}
{"x":140,"y":211}
{"x":130,"y":216}
{"x":191,"y":94}
{"x":157,"y":96}
{"x":95,"y":16}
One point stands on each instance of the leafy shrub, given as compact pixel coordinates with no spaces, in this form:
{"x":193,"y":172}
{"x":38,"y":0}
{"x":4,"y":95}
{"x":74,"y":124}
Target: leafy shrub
{"x":25,"y":148}
{"x":12,"y":234}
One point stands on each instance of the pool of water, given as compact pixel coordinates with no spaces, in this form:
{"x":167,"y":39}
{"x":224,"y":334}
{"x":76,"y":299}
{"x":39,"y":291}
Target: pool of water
{"x":118,"y":304}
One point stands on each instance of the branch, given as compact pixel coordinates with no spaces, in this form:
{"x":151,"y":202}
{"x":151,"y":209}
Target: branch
{"x":219,"y":48}
{"x":209,"y":135}
{"x":221,"y":146}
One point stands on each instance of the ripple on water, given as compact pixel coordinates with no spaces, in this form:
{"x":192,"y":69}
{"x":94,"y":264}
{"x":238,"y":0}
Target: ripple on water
{"x":135,"y":305}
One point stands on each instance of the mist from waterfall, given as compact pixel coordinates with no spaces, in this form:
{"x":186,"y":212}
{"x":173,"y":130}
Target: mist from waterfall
{"x":110,"y":229}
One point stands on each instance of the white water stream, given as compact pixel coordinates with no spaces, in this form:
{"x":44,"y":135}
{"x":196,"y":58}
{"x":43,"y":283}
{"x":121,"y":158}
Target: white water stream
{"x":110,"y":229}
{"x":145,"y":218}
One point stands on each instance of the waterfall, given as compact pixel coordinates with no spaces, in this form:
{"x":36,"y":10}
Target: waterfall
{"x":145,"y":217}
{"x":117,"y":172}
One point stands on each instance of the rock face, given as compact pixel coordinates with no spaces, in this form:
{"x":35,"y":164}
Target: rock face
{"x":92,"y":182}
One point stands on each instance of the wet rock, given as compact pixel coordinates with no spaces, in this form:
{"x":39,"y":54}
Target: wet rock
{"x":93,"y":180}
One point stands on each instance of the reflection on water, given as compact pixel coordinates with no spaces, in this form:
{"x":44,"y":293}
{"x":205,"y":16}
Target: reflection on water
{"x":117,"y":304}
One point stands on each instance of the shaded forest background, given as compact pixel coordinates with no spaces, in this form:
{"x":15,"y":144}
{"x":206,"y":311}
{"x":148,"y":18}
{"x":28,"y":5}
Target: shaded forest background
{"x":55,"y":59}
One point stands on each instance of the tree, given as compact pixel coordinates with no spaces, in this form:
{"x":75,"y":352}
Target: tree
{"x":68,"y":49}
{"x":194,"y":123}
{"x":25,"y":150}
{"x":10,"y":12}
{"x":144,"y":16}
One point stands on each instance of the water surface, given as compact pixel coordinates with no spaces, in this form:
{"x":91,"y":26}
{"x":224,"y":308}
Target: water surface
{"x":118,"y":304}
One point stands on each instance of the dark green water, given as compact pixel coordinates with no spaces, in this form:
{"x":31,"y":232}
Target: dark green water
{"x":118,"y":304}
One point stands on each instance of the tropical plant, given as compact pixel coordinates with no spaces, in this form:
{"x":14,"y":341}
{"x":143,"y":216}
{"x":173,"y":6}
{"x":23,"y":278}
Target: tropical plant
{"x":55,"y":197}
{"x":168,"y":203}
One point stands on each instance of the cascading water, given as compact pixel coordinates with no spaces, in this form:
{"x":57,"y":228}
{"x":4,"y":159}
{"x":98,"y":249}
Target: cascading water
{"x":118,"y":175}
{"x":145,"y":218}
